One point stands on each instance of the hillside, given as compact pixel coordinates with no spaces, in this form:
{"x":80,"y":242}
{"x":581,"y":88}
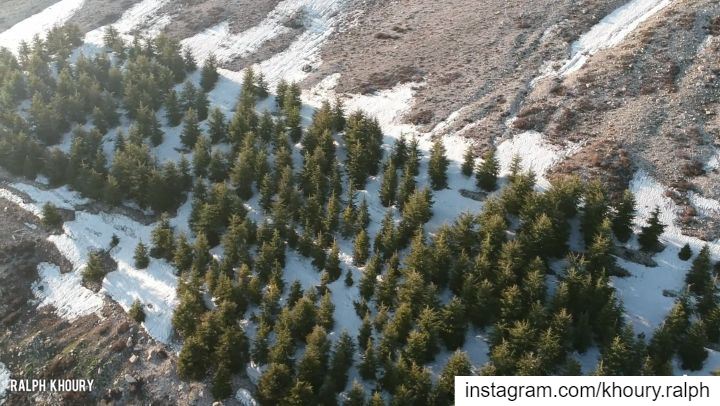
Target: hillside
{"x":289,"y":189}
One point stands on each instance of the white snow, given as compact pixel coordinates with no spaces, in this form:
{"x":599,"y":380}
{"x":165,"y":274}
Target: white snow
{"x":537,"y":154}
{"x":4,"y":381}
{"x":39,"y":24}
{"x":145,"y":13}
{"x":642,"y":292}
{"x":154,"y":286}
{"x":245,"y":397}
{"x":65,"y":293}
{"x":610,"y":31}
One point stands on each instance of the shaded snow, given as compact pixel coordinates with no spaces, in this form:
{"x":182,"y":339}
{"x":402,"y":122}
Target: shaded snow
{"x":245,"y":398}
{"x":4,"y":381}
{"x":39,"y":24}
{"x":65,"y":293}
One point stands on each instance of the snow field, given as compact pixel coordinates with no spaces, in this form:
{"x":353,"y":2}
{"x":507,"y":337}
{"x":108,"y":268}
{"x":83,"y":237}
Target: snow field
{"x":142,"y":13}
{"x":154,"y":286}
{"x":4,"y":381}
{"x":39,"y":24}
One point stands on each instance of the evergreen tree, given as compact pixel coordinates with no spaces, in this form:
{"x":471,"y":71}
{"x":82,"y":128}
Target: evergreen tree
{"x":388,"y":189}
{"x":699,"y":279}
{"x":650,"y":233}
{"x":361,"y":248}
{"x":692,"y":349}
{"x":194,"y":359}
{"x":368,"y":364}
{"x":468,"y":165}
{"x":437,"y":166}
{"x":201,"y":156}
{"x":356,"y":395}
{"x":189,"y":59}
{"x":141,"y":256}
{"x":594,"y":211}
{"x":163,"y":239}
{"x":209,"y":74}
{"x":173,"y":113}
{"x":457,"y":365}
{"x":217,"y":127}
{"x":623,"y":218}
{"x":487,"y":171}
{"x":222,"y":387}
{"x":332,"y":265}
{"x":191,"y":129}
{"x":94,"y":270}
{"x":136,"y":311}
{"x":51,"y":217}
{"x":685,"y":252}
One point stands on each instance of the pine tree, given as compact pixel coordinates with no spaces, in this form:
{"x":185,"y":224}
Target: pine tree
{"x":332,"y":264}
{"x":692,"y":349}
{"x":217,"y":126}
{"x":368,"y":364}
{"x":163,"y":239}
{"x":325,"y":312}
{"x":457,"y":365}
{"x":468,"y":165}
{"x":685,"y":252}
{"x":194,"y":359}
{"x":183,"y":254}
{"x":222,"y":387}
{"x":141,"y":256}
{"x":209,"y":75}
{"x":349,"y":278}
{"x":274,"y":384}
{"x":136,"y":311}
{"x":650,"y":233}
{"x":191,"y":129}
{"x":361,"y":248}
{"x":388,"y":189}
{"x":189,"y":60}
{"x":595,"y":210}
{"x":94,"y":270}
{"x":201,"y":156}
{"x":173,"y":114}
{"x":487,"y":172}
{"x":623,"y":218}
{"x":699,"y":279}
{"x":356,"y":395}
{"x":51,"y":217}
{"x":437,"y":166}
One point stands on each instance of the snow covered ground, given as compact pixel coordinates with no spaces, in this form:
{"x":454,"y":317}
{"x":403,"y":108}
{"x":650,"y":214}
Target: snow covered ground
{"x":65,"y":293}
{"x":40,"y":23}
{"x":144,"y":13}
{"x":4,"y":381}
{"x":154,"y":286}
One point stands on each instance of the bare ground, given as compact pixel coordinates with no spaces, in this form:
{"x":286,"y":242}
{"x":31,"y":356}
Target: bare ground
{"x":14,"y":11}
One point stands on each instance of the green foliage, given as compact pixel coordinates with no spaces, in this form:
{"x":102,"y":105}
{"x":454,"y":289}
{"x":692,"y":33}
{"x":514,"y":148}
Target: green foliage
{"x":51,"y":217}
{"x":487,"y":171}
{"x":94,"y":270}
{"x":141,"y":256}
{"x":650,"y":233}
{"x":468,"y":166}
{"x":685,"y":252}
{"x":623,"y":218}
{"x":136,"y":311}
{"x":437,"y":166}
{"x":209,"y":74}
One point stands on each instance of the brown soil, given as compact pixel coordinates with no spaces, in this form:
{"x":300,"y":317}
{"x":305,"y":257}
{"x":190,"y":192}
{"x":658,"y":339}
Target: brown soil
{"x":14,"y":11}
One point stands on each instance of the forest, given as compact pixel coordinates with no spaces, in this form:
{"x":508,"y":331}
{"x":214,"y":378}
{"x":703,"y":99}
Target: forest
{"x":507,"y":269}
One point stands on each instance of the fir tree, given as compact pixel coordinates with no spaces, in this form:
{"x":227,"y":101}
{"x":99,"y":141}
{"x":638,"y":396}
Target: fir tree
{"x":368,"y":364}
{"x":191,"y":129}
{"x":468,"y":165}
{"x":356,"y":395}
{"x":141,"y":256}
{"x":623,"y":218}
{"x":437,"y":166}
{"x":650,"y":233}
{"x":361,"y":248}
{"x":51,"y":217}
{"x":685,"y":252}
{"x":209,"y":75}
{"x":388,"y":189}
{"x":457,"y":365}
{"x":487,"y":172}
{"x":94,"y":270}
{"x":699,"y":279}
{"x":217,"y":127}
{"x":136,"y":311}
{"x":692,"y":349}
{"x":173,"y":114}
{"x":189,"y":60}
{"x":194,"y":359}
{"x":163,"y":239}
{"x":221,"y":387}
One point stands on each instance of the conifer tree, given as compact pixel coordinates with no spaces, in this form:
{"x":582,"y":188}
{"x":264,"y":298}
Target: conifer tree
{"x":194,"y":359}
{"x":189,"y":60}
{"x":388,"y":189}
{"x":468,"y":165}
{"x":325,"y":312}
{"x":685,"y":252}
{"x":201,"y":156}
{"x":457,"y":365}
{"x":183,"y":254}
{"x":274,"y":384}
{"x":368,"y":364}
{"x":650,"y":233}
{"x":624,"y":215}
{"x":163,"y":240}
{"x":487,"y":172}
{"x":692,"y":349}
{"x":209,"y":75}
{"x":136,"y":311}
{"x":217,"y":127}
{"x":437,"y":166}
{"x":191,"y":129}
{"x":221,"y":387}
{"x":94,"y":271}
{"x":51,"y":217}
{"x":141,"y":256}
{"x":699,"y":279}
{"x":332,"y":264}
{"x":361,"y":248}
{"x":173,"y":113}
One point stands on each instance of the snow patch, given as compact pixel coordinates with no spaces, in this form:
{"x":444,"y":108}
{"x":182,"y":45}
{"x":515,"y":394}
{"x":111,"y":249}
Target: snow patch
{"x":245,"y":398}
{"x":39,"y":24}
{"x":537,"y":154}
{"x":4,"y":381}
{"x":154,"y":286}
{"x":65,"y":293}
{"x":145,"y":13}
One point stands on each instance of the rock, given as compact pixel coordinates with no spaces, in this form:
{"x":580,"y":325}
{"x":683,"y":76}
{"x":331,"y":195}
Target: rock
{"x":307,"y":68}
{"x":129,"y":342}
{"x":133,"y":359}
{"x":130,"y":379}
{"x":217,"y":404}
